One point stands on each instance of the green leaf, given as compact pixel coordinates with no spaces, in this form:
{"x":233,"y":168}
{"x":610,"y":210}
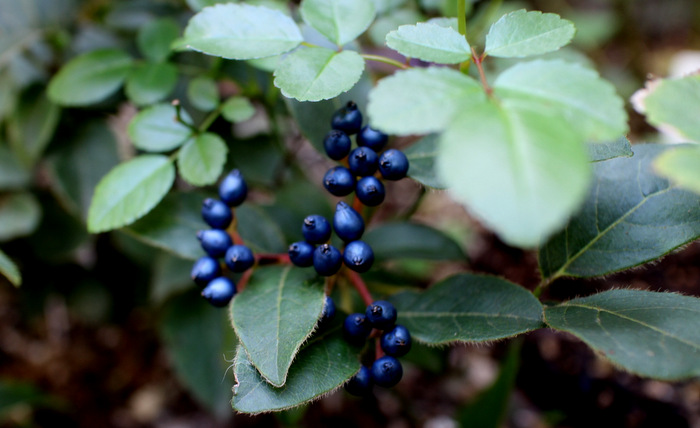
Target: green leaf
{"x":534,"y":171}
{"x":322,"y":366}
{"x":151,"y":82}
{"x":90,"y":77}
{"x":129,"y":191}
{"x":466,"y":307}
{"x":314,"y":74}
{"x":241,"y":31}
{"x":412,"y":240}
{"x":672,"y":104}
{"x":588,"y":103}
{"x":259,"y":231}
{"x":521,"y":33}
{"x":274,"y":315}
{"x":237,"y":109}
{"x":650,"y":334}
{"x":682,"y":166}
{"x":170,"y":276}
{"x":201,"y":160}
{"x":430,"y":42}
{"x":610,"y":149}
{"x":198,"y":5}
{"x":203,"y":93}
{"x":19,"y":215}
{"x":340,"y":21}
{"x":421,"y":100}
{"x":9,"y":270}
{"x":421,"y":157}
{"x":13,"y":175}
{"x":32,"y":125}
{"x":630,"y":217}
{"x":154,"y":39}
{"x":156,"y":129}
{"x":389,"y":22}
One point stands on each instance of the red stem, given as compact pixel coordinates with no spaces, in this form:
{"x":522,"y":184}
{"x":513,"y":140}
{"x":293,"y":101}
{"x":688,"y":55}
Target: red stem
{"x":478,"y":60}
{"x":360,"y":286}
{"x":244,"y":280}
{"x":378,"y":351}
{"x":282,"y":258}
{"x":357,"y":205}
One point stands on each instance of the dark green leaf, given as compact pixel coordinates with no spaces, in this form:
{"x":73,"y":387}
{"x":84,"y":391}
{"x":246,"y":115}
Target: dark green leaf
{"x":22,"y":396}
{"x":154,"y":38}
{"x":608,"y":150}
{"x":156,"y":129}
{"x":9,"y":270}
{"x":151,"y":82}
{"x":13,"y":175}
{"x":32,"y":125}
{"x":259,"y":231}
{"x":201,"y":160}
{"x":171,"y":275}
{"x":203,"y":93}
{"x":421,"y":157}
{"x":19,"y":215}
{"x":412,"y":240}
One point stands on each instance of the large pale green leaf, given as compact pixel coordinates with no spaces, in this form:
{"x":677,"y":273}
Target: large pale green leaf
{"x":129,"y":191}
{"x":156,"y":129}
{"x":650,"y":334}
{"x":154,"y":39}
{"x":522,"y":33}
{"x":682,"y":166}
{"x":241,"y":31}
{"x":201,"y":160}
{"x":90,"y":78}
{"x":588,"y":103}
{"x":466,"y":307}
{"x":314,"y":74}
{"x":672,"y":104}
{"x":274,"y":315}
{"x":421,"y":157}
{"x":9,"y":270}
{"x":430,"y":42}
{"x":340,"y":21}
{"x":609,"y":149}
{"x":19,"y":215}
{"x":522,"y":172}
{"x":412,"y":240}
{"x":630,"y":217}
{"x":150,"y":82}
{"x":31,"y":125}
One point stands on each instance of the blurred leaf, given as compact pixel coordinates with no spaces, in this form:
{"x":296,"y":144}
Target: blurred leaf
{"x":18,"y":393}
{"x":608,"y":150}
{"x":389,"y":22}
{"x":237,"y":109}
{"x":340,"y":21}
{"x":171,"y":275}
{"x":156,"y":129}
{"x":412,"y":240}
{"x":682,"y":166}
{"x":259,"y":231}
{"x":198,"y":5}
{"x":430,"y":42}
{"x":19,"y":215}
{"x":672,"y":104}
{"x":203,"y":93}
{"x":55,"y":217}
{"x":259,"y":159}
{"x":421,"y":157}
{"x":31,"y":126}
{"x":154,"y":39}
{"x":151,"y":82}
{"x":10,"y":270}
{"x":430,"y":358}
{"x":13,"y":175}
{"x":202,"y":160}
{"x":594,"y":26}
{"x":522,"y":33}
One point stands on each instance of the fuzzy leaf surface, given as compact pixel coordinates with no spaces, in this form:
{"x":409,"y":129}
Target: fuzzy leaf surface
{"x":412,"y":240}
{"x":421,"y":156}
{"x":682,"y":166}
{"x":156,"y":129}
{"x":150,"y":83}
{"x":521,"y":33}
{"x":340,"y":21}
{"x":609,"y":150}
{"x":429,"y":42}
{"x":202,"y":159}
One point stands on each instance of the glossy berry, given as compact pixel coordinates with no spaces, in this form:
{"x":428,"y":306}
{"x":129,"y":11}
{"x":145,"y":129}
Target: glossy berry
{"x":396,"y":342}
{"x":214,"y":241}
{"x":328,"y":310}
{"x":337,"y":144}
{"x":381,"y":314}
{"x":233,"y":189}
{"x":393,"y":164}
{"x":386,"y":371}
{"x":302,"y":254}
{"x":239,"y":258}
{"x":219,"y":291}
{"x":372,"y":138}
{"x":356,"y":328}
{"x":204,"y":270}
{"x":216,"y":213}
{"x":327,"y":260}
{"x":358,"y":256}
{"x":347,"y":223}
{"x":339,"y":181}
{"x":370,"y":191}
{"x":347,"y":119}
{"x":316,"y":229}
{"x":360,"y":384}
{"x":363,"y":161}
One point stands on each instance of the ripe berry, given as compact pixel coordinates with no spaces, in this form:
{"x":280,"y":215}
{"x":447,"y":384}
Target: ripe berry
{"x":216,"y":213}
{"x":386,"y":371}
{"x":328,"y":310}
{"x":393,"y":164}
{"x":360,"y":384}
{"x":363,"y":161}
{"x":372,"y":138}
{"x":233,"y":189}
{"x":347,"y":223}
{"x":214,"y":241}
{"x":239,"y":258}
{"x":337,"y":144}
{"x":381,"y":314}
{"x":358,"y":256}
{"x":347,"y":119}
{"x":396,"y":342}
{"x":339,"y":181}
{"x":327,"y":260}
{"x":316,"y":229}
{"x":356,"y":328}
{"x":301,"y":254}
{"x":204,"y":270}
{"x":370,"y":191}
{"x":219,"y":291}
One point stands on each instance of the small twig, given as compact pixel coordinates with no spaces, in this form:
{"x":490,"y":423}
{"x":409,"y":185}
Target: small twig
{"x":360,"y":286}
{"x":266,"y":258}
{"x":244,"y":280}
{"x":477,"y":60}
{"x":385,"y":60}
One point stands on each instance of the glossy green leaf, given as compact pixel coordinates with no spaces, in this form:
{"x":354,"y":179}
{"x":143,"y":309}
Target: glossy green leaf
{"x":421,"y":157}
{"x":471,"y":308}
{"x":630,"y":217}
{"x":672,"y":104}
{"x":241,"y":31}
{"x":340,"y":21}
{"x":275,"y":315}
{"x":682,"y":166}
{"x":430,"y":42}
{"x":521,"y":33}
{"x":259,"y":231}
{"x":203,"y":93}
{"x":412,"y":240}
{"x":651,"y":334}
{"x":90,"y":77}
{"x":156,"y":129}
{"x":13,"y":175}
{"x":129,"y":191}
{"x":237,"y":109}
{"x":610,"y":149}
{"x":154,"y":39}
{"x":314,"y":74}
{"x":202,"y":159}
{"x":150,"y":83}
{"x":9,"y":270}
{"x":32,"y":125}
{"x":19,"y":215}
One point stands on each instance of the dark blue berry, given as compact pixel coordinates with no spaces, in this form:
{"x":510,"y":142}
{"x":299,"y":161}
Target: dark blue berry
{"x":328,"y":310}
{"x":239,"y":258}
{"x":204,"y":270}
{"x":393,"y":164}
{"x":386,"y":371}
{"x":347,"y":223}
{"x":372,"y":138}
{"x":233,"y":189}
{"x":216,"y":213}
{"x":358,"y":256}
{"x":219,"y":291}
{"x":214,"y":241}
{"x":363,"y":161}
{"x":396,"y":342}
{"x":347,"y":119}
{"x":339,"y":181}
{"x":360,"y":384}
{"x":370,"y":191}
{"x":316,"y":229}
{"x":301,"y":254}
{"x":327,"y":260}
{"x":356,"y":328}
{"x":381,"y":314}
{"x":337,"y":144}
